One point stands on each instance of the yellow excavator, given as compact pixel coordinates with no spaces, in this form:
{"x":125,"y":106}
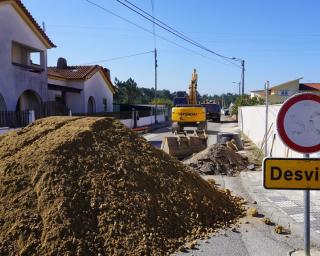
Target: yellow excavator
{"x":187,"y":116}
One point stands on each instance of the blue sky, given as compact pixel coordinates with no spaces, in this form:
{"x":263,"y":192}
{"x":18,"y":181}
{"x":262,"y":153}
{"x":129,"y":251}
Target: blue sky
{"x":279,"y":40}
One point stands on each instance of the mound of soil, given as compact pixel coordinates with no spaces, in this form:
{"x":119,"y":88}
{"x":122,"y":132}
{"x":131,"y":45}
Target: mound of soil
{"x":217,"y":159}
{"x":90,"y":186}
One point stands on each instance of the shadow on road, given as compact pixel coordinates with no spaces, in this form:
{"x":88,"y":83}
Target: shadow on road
{"x":229,"y":121}
{"x":212,"y":132}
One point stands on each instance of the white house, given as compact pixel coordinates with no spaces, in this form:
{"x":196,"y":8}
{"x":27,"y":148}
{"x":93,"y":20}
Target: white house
{"x":24,"y":81}
{"x":84,"y":89}
{"x":23,"y":58}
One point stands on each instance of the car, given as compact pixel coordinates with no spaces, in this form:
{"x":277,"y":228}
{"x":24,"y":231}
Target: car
{"x":213,"y":111}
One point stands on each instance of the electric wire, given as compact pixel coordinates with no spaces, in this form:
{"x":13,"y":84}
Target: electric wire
{"x":173,"y":31}
{"x":146,"y":30}
{"x":118,"y":58}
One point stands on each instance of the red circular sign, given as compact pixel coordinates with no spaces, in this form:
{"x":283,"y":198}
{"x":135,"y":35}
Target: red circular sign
{"x":298,"y":123}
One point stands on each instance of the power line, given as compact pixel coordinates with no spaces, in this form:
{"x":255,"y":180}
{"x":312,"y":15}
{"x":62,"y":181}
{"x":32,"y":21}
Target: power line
{"x":171,"y":30}
{"x":148,"y":31}
{"x":118,"y":58}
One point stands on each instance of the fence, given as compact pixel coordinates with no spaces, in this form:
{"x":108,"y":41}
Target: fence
{"x":118,"y":115}
{"x":133,"y":118}
{"x":50,"y":108}
{"x":14,"y":119}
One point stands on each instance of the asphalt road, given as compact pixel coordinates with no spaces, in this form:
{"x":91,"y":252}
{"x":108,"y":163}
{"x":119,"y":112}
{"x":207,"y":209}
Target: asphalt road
{"x":155,"y":137}
{"x":252,"y":237}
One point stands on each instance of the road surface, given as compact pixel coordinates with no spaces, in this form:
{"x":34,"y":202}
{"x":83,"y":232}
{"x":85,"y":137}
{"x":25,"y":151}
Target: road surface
{"x":254,"y":238}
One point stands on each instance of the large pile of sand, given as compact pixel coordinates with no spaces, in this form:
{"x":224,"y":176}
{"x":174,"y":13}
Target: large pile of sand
{"x":90,"y":186}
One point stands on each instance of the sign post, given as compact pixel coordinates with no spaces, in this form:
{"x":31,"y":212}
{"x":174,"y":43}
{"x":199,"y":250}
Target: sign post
{"x":298,"y":126}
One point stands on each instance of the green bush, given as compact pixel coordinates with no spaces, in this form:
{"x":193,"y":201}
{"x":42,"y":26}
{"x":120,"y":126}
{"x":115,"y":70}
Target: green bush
{"x":162,"y":101}
{"x":245,"y":100}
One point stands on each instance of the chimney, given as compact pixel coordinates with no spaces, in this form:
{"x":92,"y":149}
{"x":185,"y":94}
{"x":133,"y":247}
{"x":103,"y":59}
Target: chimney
{"x":62,"y":63}
{"x":108,"y":73}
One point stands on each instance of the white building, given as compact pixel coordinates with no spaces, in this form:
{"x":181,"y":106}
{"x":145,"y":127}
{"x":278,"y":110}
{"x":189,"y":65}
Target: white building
{"x":84,"y":89}
{"x":23,"y":58}
{"x":24,"y":81}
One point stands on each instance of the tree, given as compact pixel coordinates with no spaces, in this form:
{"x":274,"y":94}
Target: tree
{"x":162,"y":101}
{"x":245,"y":100}
{"x":126,"y":92}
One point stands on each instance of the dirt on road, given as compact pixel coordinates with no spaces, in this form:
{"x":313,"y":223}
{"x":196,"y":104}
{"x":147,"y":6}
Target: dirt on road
{"x":91,"y":186}
{"x":217,"y":159}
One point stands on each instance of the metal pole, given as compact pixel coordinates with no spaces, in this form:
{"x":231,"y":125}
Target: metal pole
{"x":306,"y":219}
{"x":239,"y":88}
{"x":242,"y":65}
{"x":266,"y":128}
{"x":155,"y":83}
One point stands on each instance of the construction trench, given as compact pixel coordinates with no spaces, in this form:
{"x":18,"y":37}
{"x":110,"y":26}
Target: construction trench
{"x":91,"y":186}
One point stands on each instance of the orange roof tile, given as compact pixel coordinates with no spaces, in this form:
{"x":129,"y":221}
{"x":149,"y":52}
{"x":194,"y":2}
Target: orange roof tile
{"x":73,"y":72}
{"x":315,"y":86}
{"x":79,"y":73}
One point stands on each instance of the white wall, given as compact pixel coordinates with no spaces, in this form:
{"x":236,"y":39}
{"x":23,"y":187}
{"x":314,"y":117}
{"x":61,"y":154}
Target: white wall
{"x":127,"y":122}
{"x":14,"y":80}
{"x":143,"y":121}
{"x":97,"y":88}
{"x":252,"y":123}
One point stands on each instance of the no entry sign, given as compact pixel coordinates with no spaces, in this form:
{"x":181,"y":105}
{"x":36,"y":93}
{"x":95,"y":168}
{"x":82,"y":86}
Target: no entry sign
{"x":298,"y":123}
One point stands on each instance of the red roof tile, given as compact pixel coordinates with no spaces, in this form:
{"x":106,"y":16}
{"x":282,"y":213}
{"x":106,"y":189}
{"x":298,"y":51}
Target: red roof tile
{"x":78,"y":72}
{"x":73,"y":72}
{"x":315,"y":86}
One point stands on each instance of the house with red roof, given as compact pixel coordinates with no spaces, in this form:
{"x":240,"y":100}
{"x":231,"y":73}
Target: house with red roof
{"x":84,"y":89}
{"x":25,"y":80}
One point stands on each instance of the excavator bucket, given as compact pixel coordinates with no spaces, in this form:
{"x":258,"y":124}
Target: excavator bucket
{"x":181,"y":146}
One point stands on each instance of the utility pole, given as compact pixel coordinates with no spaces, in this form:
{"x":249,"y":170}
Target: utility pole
{"x":266,"y":87}
{"x":155,"y":82}
{"x":242,"y":75}
{"x":43,"y":26}
{"x":155,"y":64}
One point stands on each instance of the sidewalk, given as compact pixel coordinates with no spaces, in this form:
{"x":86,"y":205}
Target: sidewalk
{"x":283,"y":206}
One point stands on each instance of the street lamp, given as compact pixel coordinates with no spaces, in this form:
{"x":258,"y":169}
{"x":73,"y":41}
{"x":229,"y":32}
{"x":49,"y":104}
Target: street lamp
{"x":242,"y":72}
{"x":238,"y":83}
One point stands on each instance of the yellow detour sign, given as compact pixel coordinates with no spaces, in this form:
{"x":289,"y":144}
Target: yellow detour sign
{"x":291,"y":173}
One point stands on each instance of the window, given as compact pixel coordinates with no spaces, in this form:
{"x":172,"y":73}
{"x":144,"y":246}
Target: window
{"x":91,"y":105}
{"x":27,"y":57}
{"x":35,"y":58}
{"x":105,"y":104}
{"x":283,"y":93}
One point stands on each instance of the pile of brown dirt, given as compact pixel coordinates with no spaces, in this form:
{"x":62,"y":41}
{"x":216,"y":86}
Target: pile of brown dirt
{"x":91,"y":186}
{"x":217,"y":159}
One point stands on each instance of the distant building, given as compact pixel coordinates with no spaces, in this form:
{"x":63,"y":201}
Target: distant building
{"x":84,"y":89}
{"x":279,"y":93}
